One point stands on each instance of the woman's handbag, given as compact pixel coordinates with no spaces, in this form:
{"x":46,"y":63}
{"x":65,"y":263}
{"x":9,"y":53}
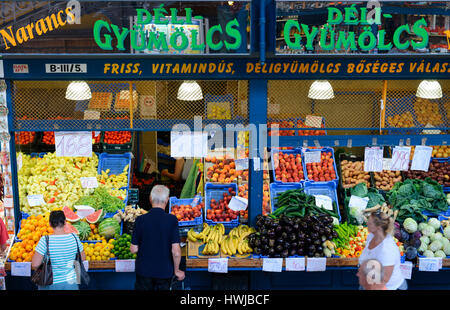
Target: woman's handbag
{"x":43,"y":276}
{"x":84,"y":277}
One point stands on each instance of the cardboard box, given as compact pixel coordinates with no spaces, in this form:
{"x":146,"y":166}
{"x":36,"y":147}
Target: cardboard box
{"x":195,"y":249}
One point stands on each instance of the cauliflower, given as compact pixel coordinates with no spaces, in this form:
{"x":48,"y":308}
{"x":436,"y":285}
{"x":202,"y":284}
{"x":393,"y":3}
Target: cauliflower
{"x":447,"y":232}
{"x":435,"y":223}
{"x":423,"y":247}
{"x":447,"y":249}
{"x":440,"y":254}
{"x":427,"y":230}
{"x":410,"y":225}
{"x":428,"y":253}
{"x":436,"y":245}
{"x":436,"y":236}
{"x":425,"y":240}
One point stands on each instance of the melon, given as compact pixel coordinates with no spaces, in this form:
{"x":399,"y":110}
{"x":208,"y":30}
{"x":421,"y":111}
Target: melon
{"x":83,"y":229}
{"x":95,"y":217}
{"x":70,"y":229}
{"x":70,"y":215}
{"x":108,"y":228}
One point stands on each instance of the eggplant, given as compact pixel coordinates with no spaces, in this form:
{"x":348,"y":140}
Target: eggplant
{"x":296,"y":227}
{"x":292,"y":252}
{"x":279,"y":241}
{"x":264,"y":240}
{"x":288,"y":229}
{"x":294,"y":244}
{"x":300,"y":252}
{"x":315,"y":228}
{"x":308,"y":240}
{"x":319,"y":249}
{"x":317,"y":242}
{"x":318,"y":254}
{"x":271,"y":243}
{"x":264,"y":232}
{"x":285,"y":253}
{"x":312,"y":248}
{"x":284,"y":235}
{"x":271,"y":233}
{"x":271,"y":251}
{"x":301,"y":236}
{"x":334,"y":234}
{"x":310,"y":254}
{"x":279,"y":248}
{"x":314,"y":235}
{"x":300,"y":243}
{"x":257,"y":242}
{"x":265,"y":248}
{"x":304,"y":226}
{"x":277,"y":255}
{"x":257,"y":250}
{"x":286,"y":245}
{"x":278,"y":229}
{"x":292,"y":237}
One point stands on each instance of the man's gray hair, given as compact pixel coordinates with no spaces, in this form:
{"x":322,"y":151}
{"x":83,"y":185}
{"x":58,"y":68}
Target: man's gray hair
{"x":159,"y":194}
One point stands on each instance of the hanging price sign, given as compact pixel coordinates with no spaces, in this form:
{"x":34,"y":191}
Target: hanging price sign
{"x":89,"y":182}
{"x":313,"y":157}
{"x":373,"y":159}
{"x":218,"y":265}
{"x":421,"y":158}
{"x":400,"y":158}
{"x":73,"y":144}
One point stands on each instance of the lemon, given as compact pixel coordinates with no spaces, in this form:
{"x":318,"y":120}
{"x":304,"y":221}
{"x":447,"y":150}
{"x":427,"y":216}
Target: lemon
{"x":88,"y":258}
{"x":98,"y":258}
{"x":107,"y":253}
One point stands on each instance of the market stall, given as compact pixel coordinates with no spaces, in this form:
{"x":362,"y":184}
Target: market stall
{"x":271,"y":161}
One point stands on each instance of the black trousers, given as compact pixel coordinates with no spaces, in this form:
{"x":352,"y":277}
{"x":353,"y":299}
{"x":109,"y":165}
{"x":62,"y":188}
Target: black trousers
{"x":151,"y":284}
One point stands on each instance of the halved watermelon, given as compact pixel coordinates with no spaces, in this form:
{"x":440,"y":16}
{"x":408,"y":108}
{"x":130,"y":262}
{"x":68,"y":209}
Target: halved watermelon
{"x":95,"y":217}
{"x":70,"y":215}
{"x":69,"y":229}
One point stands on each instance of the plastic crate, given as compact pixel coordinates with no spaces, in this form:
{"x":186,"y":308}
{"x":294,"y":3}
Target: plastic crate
{"x":293,"y":151}
{"x":116,"y":148}
{"x":115,"y":163}
{"x":277,"y":188}
{"x":187,"y":201}
{"x":215,"y":191}
{"x":325,"y":149}
{"x":326,"y":189}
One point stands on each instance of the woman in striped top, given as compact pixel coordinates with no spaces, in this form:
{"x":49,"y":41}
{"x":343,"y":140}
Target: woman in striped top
{"x":63,"y":250}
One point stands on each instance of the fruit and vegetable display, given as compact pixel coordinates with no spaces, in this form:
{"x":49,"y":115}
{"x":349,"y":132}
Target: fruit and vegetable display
{"x":113,"y":181}
{"x":288,"y":167}
{"x":312,"y":132}
{"x":48,"y":138}
{"x":439,"y":171}
{"x":56,"y":178}
{"x":352,"y":173}
{"x":295,"y":202}
{"x":25,"y":137}
{"x":101,"y":199}
{"x":129,"y":214}
{"x":224,"y":170}
{"x":99,"y":251}
{"x":441,"y":151}
{"x":219,"y":210}
{"x":412,"y":197}
{"x":356,"y":214}
{"x":323,"y":171}
{"x":293,"y":236}
{"x":351,"y":239}
{"x":243,"y":190}
{"x":121,"y":248}
{"x":403,"y":120}
{"x":427,"y":112}
{"x":117,"y":137}
{"x":386,"y":179}
{"x":187,"y":212}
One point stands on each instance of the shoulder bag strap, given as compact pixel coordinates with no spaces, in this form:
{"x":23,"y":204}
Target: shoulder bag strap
{"x":47,"y":253}
{"x":76,"y":242}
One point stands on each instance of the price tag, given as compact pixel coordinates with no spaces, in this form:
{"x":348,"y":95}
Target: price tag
{"x":238,"y":203}
{"x":313,"y":121}
{"x":316,"y":264}
{"x":35,"y":200}
{"x":89,"y":182}
{"x":323,"y":201}
{"x":86,"y":265}
{"x":19,"y":162}
{"x":90,"y":114}
{"x":125,"y":265}
{"x":406,"y":269}
{"x":295,"y":264}
{"x":21,"y":269}
{"x":241,"y":164}
{"x":387,"y":163}
{"x":421,"y":158}
{"x":83,"y":211}
{"x":313,"y":157}
{"x":73,"y":144}
{"x":429,"y":264}
{"x":256,"y":163}
{"x":358,"y":202}
{"x":218,"y":265}
{"x":373,"y":159}
{"x":272,"y":264}
{"x":400,"y":158}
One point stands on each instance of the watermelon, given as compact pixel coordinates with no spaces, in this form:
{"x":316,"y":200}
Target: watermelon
{"x":70,"y":229}
{"x":83,"y":229}
{"x":70,"y":215}
{"x":95,"y":217}
{"x":108,"y":228}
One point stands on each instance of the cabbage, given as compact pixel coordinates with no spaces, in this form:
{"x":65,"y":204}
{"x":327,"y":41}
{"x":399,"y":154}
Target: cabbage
{"x":428,"y":230}
{"x":423,"y":247}
{"x":447,"y":232}
{"x":434,"y":222}
{"x":436,"y":245}
{"x":447,"y":249}
{"x":436,"y":236}
{"x":428,"y":253}
{"x":444,"y":241}
{"x":422,"y":226}
{"x":410,"y":225}
{"x":357,"y":214}
{"x":439,"y":253}
{"x":425,"y":240}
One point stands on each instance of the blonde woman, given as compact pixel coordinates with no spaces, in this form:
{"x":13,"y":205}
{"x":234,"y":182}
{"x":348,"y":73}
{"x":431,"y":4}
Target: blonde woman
{"x":380,"y":245}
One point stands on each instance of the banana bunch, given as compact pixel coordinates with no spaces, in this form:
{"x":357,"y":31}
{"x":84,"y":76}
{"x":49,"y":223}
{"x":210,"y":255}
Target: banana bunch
{"x":236,"y":241}
{"x":211,"y":248}
{"x":328,"y":248}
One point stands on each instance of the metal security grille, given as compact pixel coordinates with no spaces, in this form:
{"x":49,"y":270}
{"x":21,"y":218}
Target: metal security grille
{"x":356,"y":107}
{"x":156,"y":105}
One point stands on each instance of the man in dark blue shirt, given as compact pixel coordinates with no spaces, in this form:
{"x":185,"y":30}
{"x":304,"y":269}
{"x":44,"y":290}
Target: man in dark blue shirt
{"x":156,"y":241}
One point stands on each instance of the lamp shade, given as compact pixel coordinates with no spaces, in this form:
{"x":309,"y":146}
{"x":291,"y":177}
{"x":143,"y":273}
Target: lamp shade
{"x":321,"y":90}
{"x":190,"y":91}
{"x":429,"y":89}
{"x":78,"y":90}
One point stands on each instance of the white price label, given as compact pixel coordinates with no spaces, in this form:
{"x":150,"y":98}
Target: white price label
{"x":387,"y":163}
{"x":400,"y":158}
{"x":316,"y":264}
{"x":241,"y":164}
{"x":313,"y":121}
{"x":218,"y":265}
{"x":73,"y":144}
{"x":323,"y":201}
{"x":430,"y":263}
{"x":89,"y":182}
{"x":373,"y":159}
{"x":406,"y":269}
{"x":358,"y":202}
{"x":35,"y":200}
{"x":21,"y":269}
{"x":256,"y":163}
{"x":295,"y":264}
{"x":272,"y":264}
{"x":125,"y":265}
{"x":238,"y":203}
{"x":421,"y":158}
{"x":313,"y":157}
{"x":83,"y":211}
